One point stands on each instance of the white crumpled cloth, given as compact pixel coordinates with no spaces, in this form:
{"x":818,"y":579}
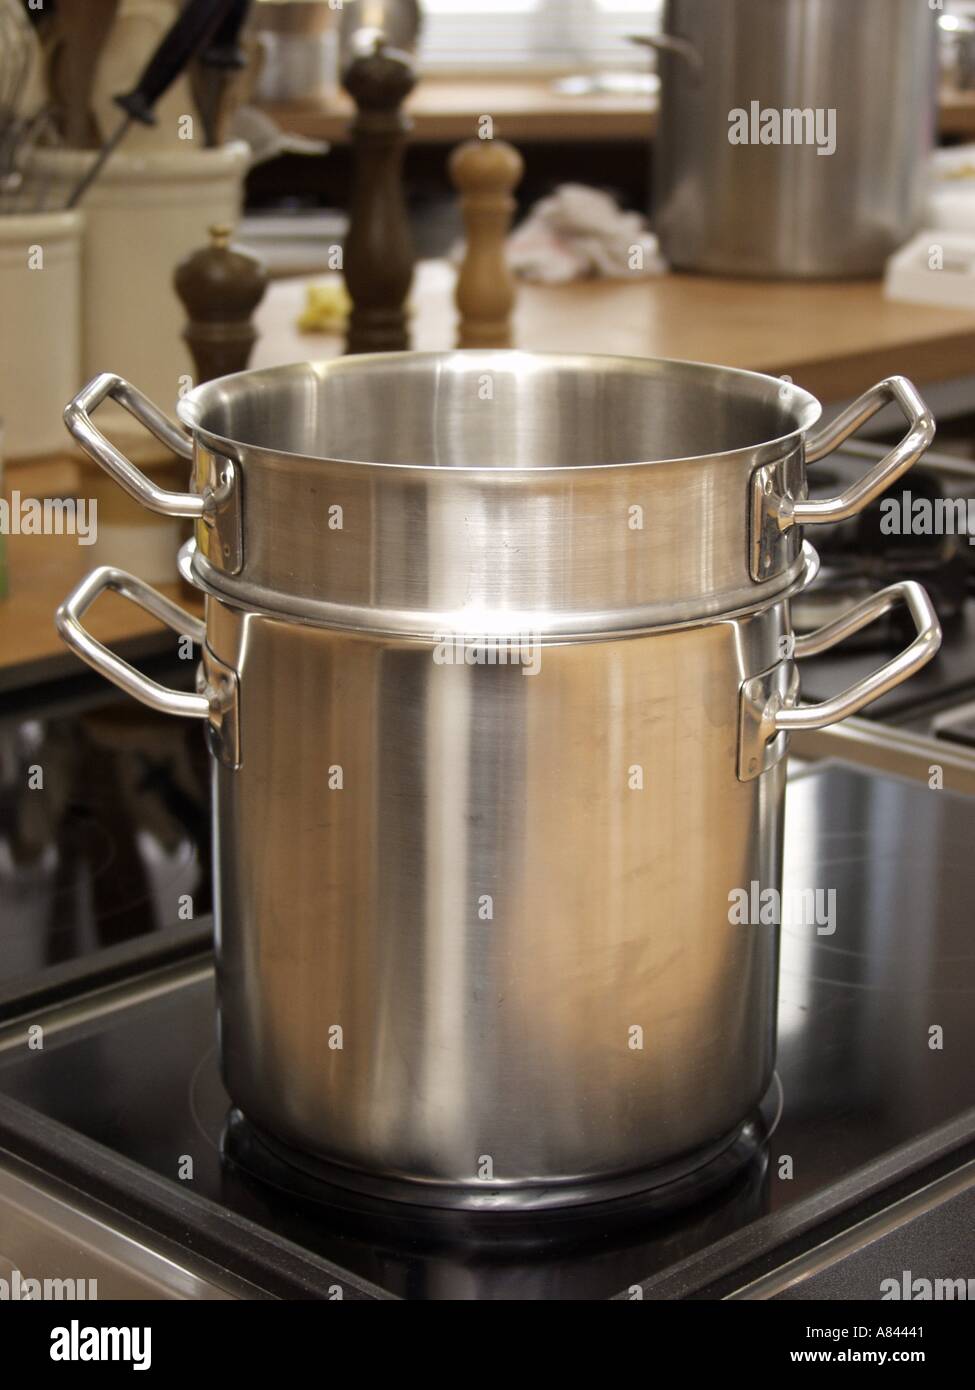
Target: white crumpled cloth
{"x":578,"y":233}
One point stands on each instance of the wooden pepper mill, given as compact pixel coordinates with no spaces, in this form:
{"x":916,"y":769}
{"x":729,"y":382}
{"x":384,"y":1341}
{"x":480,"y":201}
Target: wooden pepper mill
{"x":485,"y":173}
{"x":378,"y":257}
{"x":220,"y":287}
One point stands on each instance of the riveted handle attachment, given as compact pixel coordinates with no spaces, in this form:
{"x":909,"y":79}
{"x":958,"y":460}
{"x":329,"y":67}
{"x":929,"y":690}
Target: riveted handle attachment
{"x":216,"y":699}
{"x":216,"y":505}
{"x":769,"y":710}
{"x":775,"y":511}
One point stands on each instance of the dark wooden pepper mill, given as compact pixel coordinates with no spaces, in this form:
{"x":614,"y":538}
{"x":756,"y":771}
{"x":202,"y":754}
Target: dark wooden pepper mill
{"x":220,"y":287}
{"x":378,"y":257}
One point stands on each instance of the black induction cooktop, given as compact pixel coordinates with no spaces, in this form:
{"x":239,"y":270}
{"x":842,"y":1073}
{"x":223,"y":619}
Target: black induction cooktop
{"x":873,"y":1099}
{"x":104,"y":827}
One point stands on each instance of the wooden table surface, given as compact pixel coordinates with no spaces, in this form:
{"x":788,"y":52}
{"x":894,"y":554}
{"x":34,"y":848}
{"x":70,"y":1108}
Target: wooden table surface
{"x":446,"y":109}
{"x":834,"y":339}
{"x":528,"y":109}
{"x":42,"y":570}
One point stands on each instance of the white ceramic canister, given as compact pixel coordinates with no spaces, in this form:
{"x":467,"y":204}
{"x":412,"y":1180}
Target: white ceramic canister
{"x":144,"y":213}
{"x":40,"y":327}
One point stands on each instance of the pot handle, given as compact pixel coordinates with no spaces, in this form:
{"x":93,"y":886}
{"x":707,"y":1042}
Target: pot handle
{"x":106,"y":663}
{"x":888,"y":677}
{"x":77,"y":417}
{"x":768,"y":711}
{"x":217,"y":698}
{"x":670,"y":43}
{"x":859,"y":494}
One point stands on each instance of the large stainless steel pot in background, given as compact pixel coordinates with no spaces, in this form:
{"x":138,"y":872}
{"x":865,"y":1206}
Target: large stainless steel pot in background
{"x":473,"y":879}
{"x":786,"y":210}
{"x":572,"y":490}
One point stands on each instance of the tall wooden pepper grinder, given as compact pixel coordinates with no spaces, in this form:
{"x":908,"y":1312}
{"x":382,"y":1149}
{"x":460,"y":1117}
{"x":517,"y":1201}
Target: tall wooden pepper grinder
{"x":485,"y":173}
{"x":220,"y":286}
{"x":378,"y":257}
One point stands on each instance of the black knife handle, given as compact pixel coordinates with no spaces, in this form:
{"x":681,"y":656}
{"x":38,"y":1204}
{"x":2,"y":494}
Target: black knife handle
{"x":224,"y":50}
{"x":181,"y":42}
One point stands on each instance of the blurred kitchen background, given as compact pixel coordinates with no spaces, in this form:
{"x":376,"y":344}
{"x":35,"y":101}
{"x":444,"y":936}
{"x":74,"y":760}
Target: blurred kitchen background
{"x":549,"y":174}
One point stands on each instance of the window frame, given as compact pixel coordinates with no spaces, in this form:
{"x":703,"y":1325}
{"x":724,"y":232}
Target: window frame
{"x":555,"y":36}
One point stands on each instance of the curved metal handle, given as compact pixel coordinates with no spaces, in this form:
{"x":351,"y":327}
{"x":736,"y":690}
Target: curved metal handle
{"x":767,"y":710}
{"x":669,"y":43}
{"x":918,"y":654}
{"x":918,"y":438}
{"x":77,"y":417}
{"x":126,"y":677}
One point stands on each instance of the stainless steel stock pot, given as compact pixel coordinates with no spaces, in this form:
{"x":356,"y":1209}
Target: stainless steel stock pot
{"x":835,"y":104}
{"x":474,"y":941}
{"x":407,"y":490}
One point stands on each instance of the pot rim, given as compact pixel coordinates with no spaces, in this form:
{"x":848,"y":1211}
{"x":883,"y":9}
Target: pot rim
{"x":192,"y":409}
{"x":396,"y":624}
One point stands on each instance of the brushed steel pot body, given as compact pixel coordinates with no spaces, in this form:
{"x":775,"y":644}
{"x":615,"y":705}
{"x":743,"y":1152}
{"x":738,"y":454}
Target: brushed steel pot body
{"x":473,"y":916}
{"x":473,"y":923}
{"x":785,"y":210}
{"x":474,"y":920}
